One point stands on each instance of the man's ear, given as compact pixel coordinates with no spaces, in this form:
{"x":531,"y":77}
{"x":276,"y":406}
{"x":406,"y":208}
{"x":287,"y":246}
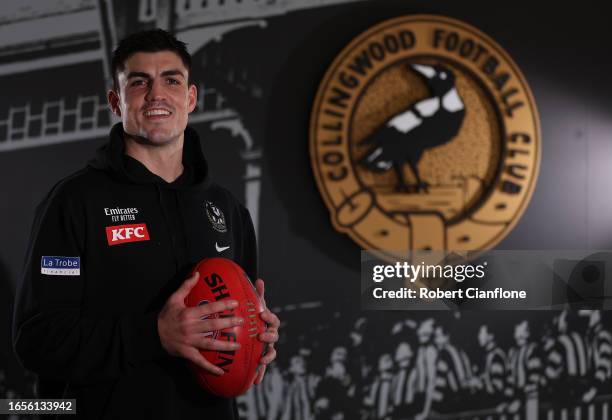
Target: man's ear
{"x":193,"y":97}
{"x":113,"y":102}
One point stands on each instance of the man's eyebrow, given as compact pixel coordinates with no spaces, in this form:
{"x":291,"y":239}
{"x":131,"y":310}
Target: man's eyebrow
{"x":138,"y":74}
{"x":172,"y":72}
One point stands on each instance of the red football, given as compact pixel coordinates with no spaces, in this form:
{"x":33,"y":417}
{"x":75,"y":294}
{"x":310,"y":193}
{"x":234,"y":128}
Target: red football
{"x":221,"y":279}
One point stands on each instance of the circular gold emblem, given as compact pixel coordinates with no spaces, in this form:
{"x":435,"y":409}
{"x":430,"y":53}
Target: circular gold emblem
{"x":424,"y":135}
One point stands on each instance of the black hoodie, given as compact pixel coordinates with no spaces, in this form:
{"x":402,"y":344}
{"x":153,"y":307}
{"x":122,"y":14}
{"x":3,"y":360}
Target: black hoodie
{"x":109,"y":245}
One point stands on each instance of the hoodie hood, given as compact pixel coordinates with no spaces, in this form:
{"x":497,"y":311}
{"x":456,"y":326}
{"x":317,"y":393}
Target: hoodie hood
{"x":111,"y":158}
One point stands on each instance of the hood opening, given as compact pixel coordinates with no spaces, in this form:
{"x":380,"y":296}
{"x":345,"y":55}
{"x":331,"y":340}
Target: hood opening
{"x":111,"y":158}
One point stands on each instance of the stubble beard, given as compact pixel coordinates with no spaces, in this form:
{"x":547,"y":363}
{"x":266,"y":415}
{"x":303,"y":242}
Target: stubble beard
{"x":159,"y":137}
{"x":156,"y":137}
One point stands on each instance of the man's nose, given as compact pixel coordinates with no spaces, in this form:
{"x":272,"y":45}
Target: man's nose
{"x":156,"y":90}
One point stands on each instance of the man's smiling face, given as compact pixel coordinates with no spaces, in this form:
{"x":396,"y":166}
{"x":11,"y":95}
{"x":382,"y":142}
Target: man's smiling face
{"x":153,"y":97}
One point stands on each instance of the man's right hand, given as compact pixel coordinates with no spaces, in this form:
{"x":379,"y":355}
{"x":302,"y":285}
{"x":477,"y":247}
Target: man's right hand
{"x":180,"y":327}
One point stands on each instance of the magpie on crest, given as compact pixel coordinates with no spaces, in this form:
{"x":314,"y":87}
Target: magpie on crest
{"x":427,"y":123}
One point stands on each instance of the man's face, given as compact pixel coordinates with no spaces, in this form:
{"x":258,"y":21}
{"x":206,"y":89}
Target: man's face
{"x":153,"y":97}
{"x":424,"y":333}
{"x":521,"y":333}
{"x":440,"y":338}
{"x":336,"y":370}
{"x":385,"y":362}
{"x":483,"y":336}
{"x":297,"y":365}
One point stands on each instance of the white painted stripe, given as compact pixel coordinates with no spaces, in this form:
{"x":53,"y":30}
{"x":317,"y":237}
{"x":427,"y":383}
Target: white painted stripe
{"x":428,"y":107}
{"x":50,"y":62}
{"x":374,"y":154}
{"x":451,"y":101}
{"x":582,"y":356}
{"x":571,"y":358}
{"x":405,"y":121}
{"x":310,"y":305}
{"x":426,"y":71}
{"x":96,"y":133}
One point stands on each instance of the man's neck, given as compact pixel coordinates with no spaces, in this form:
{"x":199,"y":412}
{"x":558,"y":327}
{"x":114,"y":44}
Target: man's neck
{"x":165,"y":161}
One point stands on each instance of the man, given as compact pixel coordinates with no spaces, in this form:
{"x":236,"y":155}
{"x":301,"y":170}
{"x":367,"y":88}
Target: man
{"x":380,"y":399}
{"x":332,"y":400}
{"x":453,"y":374}
{"x":100,"y":315}
{"x":525,"y":366}
{"x":402,"y":387}
{"x":599,"y":348}
{"x":298,"y":399}
{"x":567,"y":365}
{"x":423,"y":376}
{"x":491,"y":383}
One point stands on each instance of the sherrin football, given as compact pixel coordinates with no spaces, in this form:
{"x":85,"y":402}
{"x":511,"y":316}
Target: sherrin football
{"x":223,"y":279}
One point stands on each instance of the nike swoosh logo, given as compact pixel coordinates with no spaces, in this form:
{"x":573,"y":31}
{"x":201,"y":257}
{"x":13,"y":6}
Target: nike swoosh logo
{"x":221,"y":248}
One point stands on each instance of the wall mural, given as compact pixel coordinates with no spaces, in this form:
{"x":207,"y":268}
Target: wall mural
{"x":393,"y":366}
{"x":39,"y":35}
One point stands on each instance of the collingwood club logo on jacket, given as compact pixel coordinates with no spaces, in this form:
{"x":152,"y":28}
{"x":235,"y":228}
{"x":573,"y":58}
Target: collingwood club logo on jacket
{"x":424,"y":135}
{"x":215,"y":217}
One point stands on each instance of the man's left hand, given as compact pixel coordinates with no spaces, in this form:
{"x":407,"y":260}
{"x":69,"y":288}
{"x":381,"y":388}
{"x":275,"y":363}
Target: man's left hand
{"x":270,"y":336}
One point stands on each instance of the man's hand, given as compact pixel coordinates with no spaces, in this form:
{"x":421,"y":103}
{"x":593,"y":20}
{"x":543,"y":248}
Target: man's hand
{"x":180,"y":328}
{"x":270,"y":336}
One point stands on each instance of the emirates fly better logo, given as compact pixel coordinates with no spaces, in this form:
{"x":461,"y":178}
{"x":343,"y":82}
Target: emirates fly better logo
{"x":424,"y":135}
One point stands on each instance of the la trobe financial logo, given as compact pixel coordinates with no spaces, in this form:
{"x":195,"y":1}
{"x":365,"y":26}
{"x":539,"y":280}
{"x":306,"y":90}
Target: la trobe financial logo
{"x":424,"y":135}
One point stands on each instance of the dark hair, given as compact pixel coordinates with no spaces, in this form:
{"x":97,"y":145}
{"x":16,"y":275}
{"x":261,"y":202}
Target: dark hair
{"x":153,"y":40}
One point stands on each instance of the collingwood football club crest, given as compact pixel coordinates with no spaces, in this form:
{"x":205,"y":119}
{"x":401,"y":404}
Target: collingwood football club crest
{"x":215,"y":217}
{"x":424,"y":135}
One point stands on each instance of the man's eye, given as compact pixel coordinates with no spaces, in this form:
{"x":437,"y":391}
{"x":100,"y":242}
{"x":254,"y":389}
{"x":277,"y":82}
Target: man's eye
{"x":172,"y":81}
{"x":137,"y":83}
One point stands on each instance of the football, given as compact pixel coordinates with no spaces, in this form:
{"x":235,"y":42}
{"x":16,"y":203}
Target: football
{"x":221,"y":279}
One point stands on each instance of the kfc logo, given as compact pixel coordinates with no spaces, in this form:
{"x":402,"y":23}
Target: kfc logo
{"x":126,"y":233}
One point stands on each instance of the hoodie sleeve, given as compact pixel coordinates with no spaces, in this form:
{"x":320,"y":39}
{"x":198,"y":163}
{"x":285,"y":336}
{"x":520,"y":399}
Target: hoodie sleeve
{"x":51,"y":336}
{"x":248,"y":249}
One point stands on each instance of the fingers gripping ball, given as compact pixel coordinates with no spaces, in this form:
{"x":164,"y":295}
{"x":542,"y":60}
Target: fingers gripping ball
{"x":221,"y":279}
